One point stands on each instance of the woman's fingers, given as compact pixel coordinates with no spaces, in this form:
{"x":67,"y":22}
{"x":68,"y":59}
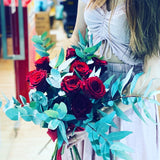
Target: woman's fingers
{"x":77,"y":137}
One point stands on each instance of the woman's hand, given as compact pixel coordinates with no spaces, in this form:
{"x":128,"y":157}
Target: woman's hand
{"x":76,"y":137}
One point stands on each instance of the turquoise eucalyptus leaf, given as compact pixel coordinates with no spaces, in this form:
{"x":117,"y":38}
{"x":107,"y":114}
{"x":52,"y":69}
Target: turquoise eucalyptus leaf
{"x":81,"y":38}
{"x":62,"y":130}
{"x":42,"y":53}
{"x":44,"y":35}
{"x":12,"y":113}
{"x":121,"y":155}
{"x":120,"y":113}
{"x":39,"y":47}
{"x":93,"y":49}
{"x":53,"y":124}
{"x":125,"y":80}
{"x":51,"y":113}
{"x":23,"y":99}
{"x":37,"y":39}
{"x":79,"y":53}
{"x":134,"y":81}
{"x":115,"y":87}
{"x":118,"y":146}
{"x":115,"y":136}
{"x":60,"y":58}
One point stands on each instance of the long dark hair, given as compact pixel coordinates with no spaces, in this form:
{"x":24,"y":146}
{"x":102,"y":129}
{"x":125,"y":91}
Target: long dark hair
{"x":144,"y":22}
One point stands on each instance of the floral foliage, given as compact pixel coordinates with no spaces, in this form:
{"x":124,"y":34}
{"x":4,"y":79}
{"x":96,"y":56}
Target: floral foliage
{"x":69,"y":94}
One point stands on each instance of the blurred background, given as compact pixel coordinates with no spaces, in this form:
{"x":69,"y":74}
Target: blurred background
{"x":19,"y":21}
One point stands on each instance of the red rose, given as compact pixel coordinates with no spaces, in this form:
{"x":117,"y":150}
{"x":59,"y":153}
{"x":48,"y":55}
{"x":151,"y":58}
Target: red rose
{"x":71,"y":84}
{"x":43,"y":63}
{"x":70,"y":53}
{"x":95,"y":87}
{"x":81,"y":106}
{"x":81,"y":67}
{"x":37,"y":80}
{"x":99,"y":62}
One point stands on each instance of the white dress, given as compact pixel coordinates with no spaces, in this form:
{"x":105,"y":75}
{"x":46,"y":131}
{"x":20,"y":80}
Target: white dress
{"x":114,"y":32}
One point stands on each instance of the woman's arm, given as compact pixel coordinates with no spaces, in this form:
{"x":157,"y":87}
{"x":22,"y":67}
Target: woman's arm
{"x":80,"y":23}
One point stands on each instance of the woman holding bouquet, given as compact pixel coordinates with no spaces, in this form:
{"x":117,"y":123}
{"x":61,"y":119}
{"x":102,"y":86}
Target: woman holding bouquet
{"x":129,"y":31}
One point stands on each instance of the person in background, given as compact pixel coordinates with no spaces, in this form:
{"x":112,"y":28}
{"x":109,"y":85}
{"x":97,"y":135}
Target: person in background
{"x":129,"y":31}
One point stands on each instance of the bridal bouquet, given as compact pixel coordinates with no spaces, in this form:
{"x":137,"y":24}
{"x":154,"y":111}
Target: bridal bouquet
{"x":67,"y":94}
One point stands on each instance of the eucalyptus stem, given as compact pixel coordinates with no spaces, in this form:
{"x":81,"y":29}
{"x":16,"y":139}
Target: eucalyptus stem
{"x":55,"y":152}
{"x":76,"y":153}
{"x":71,"y":153}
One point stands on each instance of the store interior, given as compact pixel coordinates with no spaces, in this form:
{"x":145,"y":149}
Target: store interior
{"x":20,"y":140}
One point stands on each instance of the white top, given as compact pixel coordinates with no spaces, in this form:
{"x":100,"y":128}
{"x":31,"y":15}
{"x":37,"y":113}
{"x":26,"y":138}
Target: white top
{"x":112,"y":29}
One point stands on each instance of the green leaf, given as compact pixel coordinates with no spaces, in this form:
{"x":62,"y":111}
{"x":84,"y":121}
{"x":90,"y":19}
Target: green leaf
{"x":82,"y":46}
{"x":91,"y":40}
{"x":23,"y":99}
{"x":26,"y":113}
{"x":118,"y":146}
{"x":50,"y":46}
{"x":12,"y":113}
{"x":148,"y":115}
{"x":78,"y":75}
{"x":42,"y":53}
{"x":51,"y":113}
{"x":79,"y":53}
{"x":108,"y":81}
{"x":69,"y":117}
{"x":39,"y":47}
{"x":75,"y":47}
{"x":98,"y":72}
{"x":7,"y":105}
{"x":16,"y":102}
{"x":62,"y":110}
{"x":134,"y":81}
{"x":120,"y":113}
{"x":41,"y":116}
{"x":125,"y":80}
{"x":115,"y":87}
{"x":53,"y":82}
{"x":60,"y":139}
{"x":137,"y":112}
{"x":53,"y":124}
{"x":32,"y":105}
{"x":46,"y":41}
{"x":60,"y":58}
{"x":148,"y":88}
{"x":37,"y":39}
{"x":66,"y":63}
{"x":115,"y":136}
{"x":62,"y":130}
{"x":81,"y":38}
{"x":122,"y":155}
{"x":44,"y":35}
{"x":93,"y":49}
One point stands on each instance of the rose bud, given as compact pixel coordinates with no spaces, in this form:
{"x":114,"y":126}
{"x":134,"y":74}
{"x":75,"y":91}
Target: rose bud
{"x":99,"y":62}
{"x":95,"y":88}
{"x":70,"y":53}
{"x":43,"y":63}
